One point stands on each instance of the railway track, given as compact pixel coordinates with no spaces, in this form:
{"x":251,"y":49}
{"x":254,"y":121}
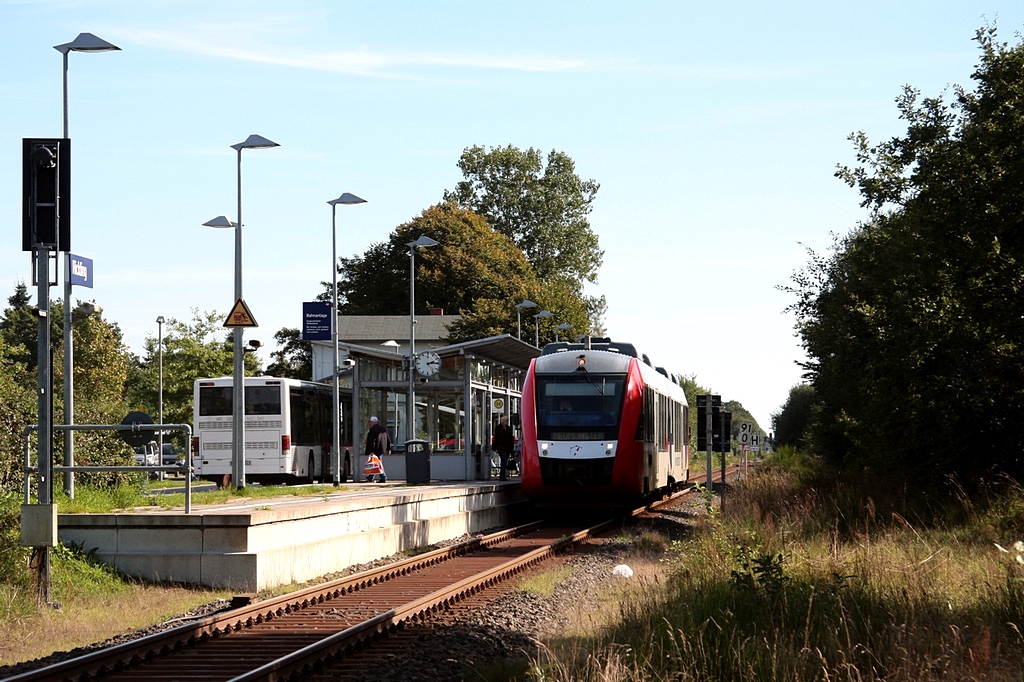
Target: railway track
{"x":294,"y":636}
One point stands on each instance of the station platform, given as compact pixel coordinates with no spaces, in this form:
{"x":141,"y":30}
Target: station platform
{"x":261,"y":543}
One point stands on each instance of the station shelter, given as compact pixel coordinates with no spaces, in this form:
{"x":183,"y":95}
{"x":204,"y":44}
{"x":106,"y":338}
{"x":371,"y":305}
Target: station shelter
{"x":456,"y":406}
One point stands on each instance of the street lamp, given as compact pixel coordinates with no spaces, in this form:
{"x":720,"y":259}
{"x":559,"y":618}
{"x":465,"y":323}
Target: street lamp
{"x":519,"y":309}
{"x":345,"y":199}
{"x":160,"y":384}
{"x":85,"y":42}
{"x":564,"y":327}
{"x":238,"y":377}
{"x":423,"y":242}
{"x":536,"y":325}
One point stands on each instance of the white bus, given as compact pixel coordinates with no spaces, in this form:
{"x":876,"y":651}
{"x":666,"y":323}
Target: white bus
{"x":287,"y":430}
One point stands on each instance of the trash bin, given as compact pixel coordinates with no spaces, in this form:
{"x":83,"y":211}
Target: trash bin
{"x":417,"y":461}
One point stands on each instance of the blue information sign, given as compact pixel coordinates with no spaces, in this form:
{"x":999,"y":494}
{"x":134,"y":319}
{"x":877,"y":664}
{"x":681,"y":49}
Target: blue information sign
{"x":316,"y":321}
{"x":81,"y":270}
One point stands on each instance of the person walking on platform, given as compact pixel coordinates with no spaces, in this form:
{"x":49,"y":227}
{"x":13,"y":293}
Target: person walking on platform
{"x":504,"y":443}
{"x":378,"y":443}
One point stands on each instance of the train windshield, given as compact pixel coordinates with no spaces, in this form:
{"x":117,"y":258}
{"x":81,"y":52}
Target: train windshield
{"x":580,"y":407}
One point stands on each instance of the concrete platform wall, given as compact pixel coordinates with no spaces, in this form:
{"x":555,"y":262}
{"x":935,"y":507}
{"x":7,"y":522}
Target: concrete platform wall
{"x":286,"y":541}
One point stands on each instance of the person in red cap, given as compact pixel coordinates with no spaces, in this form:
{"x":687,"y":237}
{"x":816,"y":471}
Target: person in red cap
{"x":378,"y":443}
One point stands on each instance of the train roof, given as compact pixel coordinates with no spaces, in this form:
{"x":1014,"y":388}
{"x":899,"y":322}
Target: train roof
{"x":596,"y":343}
{"x":605,"y":344}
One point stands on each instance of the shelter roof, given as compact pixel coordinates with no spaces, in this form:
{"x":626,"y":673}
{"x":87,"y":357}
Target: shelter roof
{"x":505,"y":349}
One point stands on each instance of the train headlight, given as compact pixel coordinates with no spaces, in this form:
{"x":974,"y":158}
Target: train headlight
{"x":543,"y":449}
{"x":608,"y":448}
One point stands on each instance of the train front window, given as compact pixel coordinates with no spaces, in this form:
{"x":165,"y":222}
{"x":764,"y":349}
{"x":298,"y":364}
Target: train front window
{"x":576,"y":407}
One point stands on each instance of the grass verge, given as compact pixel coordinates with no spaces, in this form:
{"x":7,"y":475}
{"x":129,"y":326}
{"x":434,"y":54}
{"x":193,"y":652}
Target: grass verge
{"x":92,"y":603}
{"x":771,"y":590}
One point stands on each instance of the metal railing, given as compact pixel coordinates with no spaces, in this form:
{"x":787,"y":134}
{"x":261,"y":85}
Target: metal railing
{"x":186,"y":468}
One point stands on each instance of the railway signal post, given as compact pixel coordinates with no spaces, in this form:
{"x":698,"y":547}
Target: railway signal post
{"x":46,"y":230}
{"x":709,"y":409}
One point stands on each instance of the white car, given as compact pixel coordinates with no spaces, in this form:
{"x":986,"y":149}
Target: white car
{"x":146,"y":455}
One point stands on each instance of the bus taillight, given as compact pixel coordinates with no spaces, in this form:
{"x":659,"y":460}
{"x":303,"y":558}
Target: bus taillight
{"x":195,"y":445}
{"x":286,"y":443}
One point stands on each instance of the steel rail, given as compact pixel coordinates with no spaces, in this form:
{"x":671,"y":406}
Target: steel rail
{"x":114,"y":658}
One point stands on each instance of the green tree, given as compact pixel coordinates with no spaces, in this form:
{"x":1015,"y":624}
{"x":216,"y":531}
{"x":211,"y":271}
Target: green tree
{"x":793,"y":420}
{"x":473,"y":271}
{"x":914,"y":325}
{"x":294,"y":357}
{"x":19,"y":327}
{"x":542,"y":208}
{"x":102,"y":365}
{"x":194,"y":349}
{"x":741,"y":414}
{"x":17,"y":409}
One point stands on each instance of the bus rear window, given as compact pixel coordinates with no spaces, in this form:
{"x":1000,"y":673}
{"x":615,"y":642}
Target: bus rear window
{"x":263,"y":400}
{"x":218,"y":401}
{"x":214,"y":401}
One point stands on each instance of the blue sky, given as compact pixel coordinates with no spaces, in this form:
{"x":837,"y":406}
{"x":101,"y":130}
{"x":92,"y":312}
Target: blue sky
{"x":713,"y":128}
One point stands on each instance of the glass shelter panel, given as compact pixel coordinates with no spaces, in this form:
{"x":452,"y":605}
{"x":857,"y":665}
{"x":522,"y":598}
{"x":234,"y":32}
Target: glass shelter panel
{"x":450,"y":423}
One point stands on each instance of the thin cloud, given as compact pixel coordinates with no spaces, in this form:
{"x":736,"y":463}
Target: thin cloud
{"x":356,"y":62}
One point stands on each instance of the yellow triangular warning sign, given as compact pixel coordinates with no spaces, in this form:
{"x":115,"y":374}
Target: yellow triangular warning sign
{"x":240,"y":316}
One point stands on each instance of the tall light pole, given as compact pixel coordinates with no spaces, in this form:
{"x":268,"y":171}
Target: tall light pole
{"x":536,"y":325}
{"x":519,"y":322}
{"x":160,"y":384}
{"x":238,"y":378}
{"x":564,"y":327}
{"x":410,"y":410}
{"x":345,"y":199}
{"x":85,"y":42}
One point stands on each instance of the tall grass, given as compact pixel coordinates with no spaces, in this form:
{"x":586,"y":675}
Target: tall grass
{"x":786,"y":584}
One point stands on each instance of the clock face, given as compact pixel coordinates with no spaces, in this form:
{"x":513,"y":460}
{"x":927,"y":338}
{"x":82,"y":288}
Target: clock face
{"x":428,"y":363}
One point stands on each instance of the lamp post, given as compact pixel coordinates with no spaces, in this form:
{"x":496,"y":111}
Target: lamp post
{"x":85,"y":42}
{"x":160,"y":385}
{"x":238,"y":377}
{"x":345,"y":199}
{"x":519,"y":309}
{"x":564,"y":327}
{"x":410,"y":410}
{"x":536,"y":325}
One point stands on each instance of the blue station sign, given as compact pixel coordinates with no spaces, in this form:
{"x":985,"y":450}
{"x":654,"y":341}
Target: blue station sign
{"x":316,"y":321}
{"x":80,"y":270}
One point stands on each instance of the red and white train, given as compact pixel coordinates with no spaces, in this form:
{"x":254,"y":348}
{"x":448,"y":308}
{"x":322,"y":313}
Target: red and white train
{"x":601,"y":426}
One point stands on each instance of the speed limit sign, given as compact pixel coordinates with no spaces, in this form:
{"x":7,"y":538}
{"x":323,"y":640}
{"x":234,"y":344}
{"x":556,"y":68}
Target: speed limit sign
{"x":746,"y":435}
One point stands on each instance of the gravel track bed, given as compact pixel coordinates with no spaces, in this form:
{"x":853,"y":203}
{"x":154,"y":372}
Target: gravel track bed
{"x":512,"y":626}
